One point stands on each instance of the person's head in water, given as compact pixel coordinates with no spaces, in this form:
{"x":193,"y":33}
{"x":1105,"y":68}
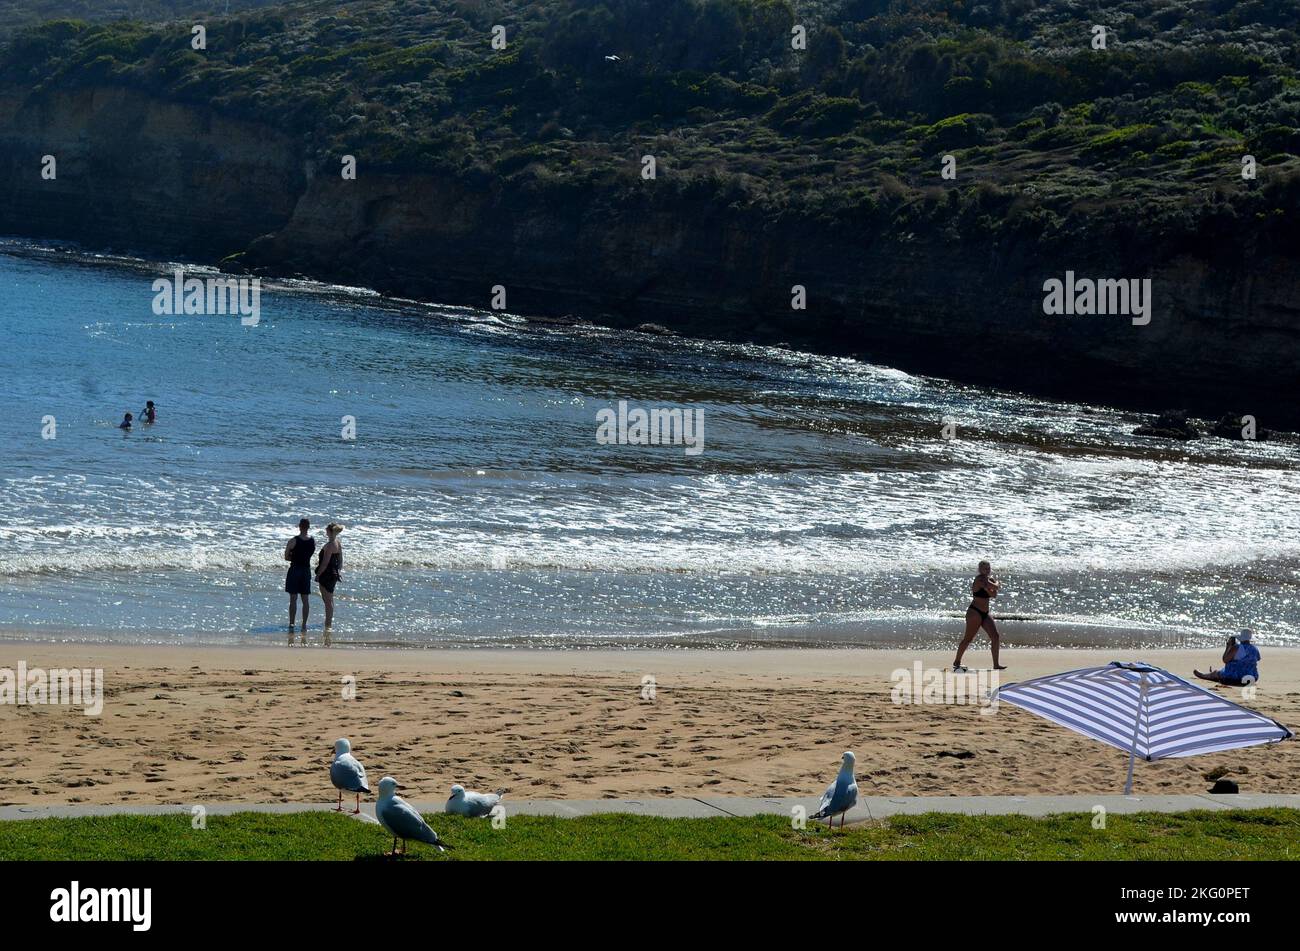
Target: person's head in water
{"x":985,"y":568}
{"x":126,"y":421}
{"x":148,"y":404}
{"x":303,"y":525}
{"x":333,"y":530}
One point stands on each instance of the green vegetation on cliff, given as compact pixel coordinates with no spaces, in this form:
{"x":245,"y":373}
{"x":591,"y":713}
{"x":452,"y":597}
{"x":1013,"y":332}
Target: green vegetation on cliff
{"x":1048,"y":134}
{"x":16,"y":14}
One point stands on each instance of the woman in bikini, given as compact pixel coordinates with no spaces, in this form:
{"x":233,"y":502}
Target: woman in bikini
{"x":983,"y":589}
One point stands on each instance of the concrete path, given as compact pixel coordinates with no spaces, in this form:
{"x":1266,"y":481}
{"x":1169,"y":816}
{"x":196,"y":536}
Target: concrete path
{"x":871,"y":807}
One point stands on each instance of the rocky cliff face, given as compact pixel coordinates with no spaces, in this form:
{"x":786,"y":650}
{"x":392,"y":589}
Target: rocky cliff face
{"x":137,"y":174}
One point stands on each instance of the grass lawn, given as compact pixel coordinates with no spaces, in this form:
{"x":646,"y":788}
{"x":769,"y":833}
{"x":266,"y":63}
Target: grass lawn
{"x":1236,"y":834}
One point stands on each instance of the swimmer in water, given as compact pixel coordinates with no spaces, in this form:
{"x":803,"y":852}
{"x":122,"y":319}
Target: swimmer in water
{"x":126,"y":422}
{"x":149,"y":414}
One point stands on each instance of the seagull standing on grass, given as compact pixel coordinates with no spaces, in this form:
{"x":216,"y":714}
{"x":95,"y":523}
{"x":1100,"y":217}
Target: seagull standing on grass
{"x":347,"y":774}
{"x":841,"y":795}
{"x":470,"y":803}
{"x":402,"y":820}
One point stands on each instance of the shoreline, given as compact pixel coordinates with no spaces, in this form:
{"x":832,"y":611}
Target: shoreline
{"x":936,"y":632}
{"x":239,"y":724}
{"x":930,"y":656}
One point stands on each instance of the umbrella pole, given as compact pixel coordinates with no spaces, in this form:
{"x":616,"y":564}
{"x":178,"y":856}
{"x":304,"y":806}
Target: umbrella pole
{"x":1137,"y":723}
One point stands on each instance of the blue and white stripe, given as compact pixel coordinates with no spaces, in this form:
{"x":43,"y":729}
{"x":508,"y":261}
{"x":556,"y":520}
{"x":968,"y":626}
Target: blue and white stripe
{"x":1143,"y":710}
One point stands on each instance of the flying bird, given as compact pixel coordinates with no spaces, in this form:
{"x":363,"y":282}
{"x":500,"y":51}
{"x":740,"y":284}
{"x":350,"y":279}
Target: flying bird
{"x":347,"y":774}
{"x":402,"y":820}
{"x":469,"y":803}
{"x":611,"y":59}
{"x":841,"y":795}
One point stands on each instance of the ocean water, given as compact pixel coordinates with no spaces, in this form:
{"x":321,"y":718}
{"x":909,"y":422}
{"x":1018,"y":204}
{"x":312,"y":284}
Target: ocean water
{"x":825,"y":509}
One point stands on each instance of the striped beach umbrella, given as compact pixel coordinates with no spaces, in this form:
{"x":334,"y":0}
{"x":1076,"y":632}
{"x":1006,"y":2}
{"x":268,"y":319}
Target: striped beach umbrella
{"x":1147,"y":712}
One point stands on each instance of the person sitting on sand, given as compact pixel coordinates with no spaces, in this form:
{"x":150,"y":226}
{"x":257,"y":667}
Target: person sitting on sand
{"x":329,"y":565}
{"x":978,"y":616}
{"x":126,"y":422}
{"x":1240,"y":662}
{"x":149,"y":414}
{"x":298,"y":579}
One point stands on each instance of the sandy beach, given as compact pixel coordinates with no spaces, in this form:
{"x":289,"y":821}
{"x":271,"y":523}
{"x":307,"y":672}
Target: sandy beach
{"x":244,"y":724}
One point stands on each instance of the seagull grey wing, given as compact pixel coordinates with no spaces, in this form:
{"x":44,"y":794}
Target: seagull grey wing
{"x":348,"y":774}
{"x":483,"y":804}
{"x":849,"y":799}
{"x":405,"y":822}
{"x":843,"y":795}
{"x":828,"y":798}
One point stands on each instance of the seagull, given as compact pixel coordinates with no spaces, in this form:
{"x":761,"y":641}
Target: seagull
{"x":347,"y":774}
{"x":841,"y":795}
{"x":611,"y":59}
{"x":472,"y":804}
{"x":402,"y":820}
